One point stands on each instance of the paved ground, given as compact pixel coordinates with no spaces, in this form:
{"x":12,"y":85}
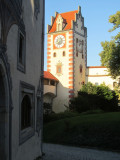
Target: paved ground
{"x":60,"y":152}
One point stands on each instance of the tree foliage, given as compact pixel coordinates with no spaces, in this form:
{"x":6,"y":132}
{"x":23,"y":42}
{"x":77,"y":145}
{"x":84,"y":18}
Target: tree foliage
{"x":110,"y":56}
{"x":92,"y":97}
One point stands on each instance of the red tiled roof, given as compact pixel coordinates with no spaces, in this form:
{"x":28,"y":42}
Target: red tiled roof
{"x":48,"y":75}
{"x":67,"y":17}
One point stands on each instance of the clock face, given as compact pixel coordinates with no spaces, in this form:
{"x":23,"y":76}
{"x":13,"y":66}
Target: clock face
{"x":59,"y":41}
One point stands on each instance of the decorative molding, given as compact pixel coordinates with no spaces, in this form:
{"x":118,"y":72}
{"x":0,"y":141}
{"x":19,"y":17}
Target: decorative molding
{"x":59,"y":68}
{"x":10,"y":13}
{"x":27,"y":89}
{"x":4,"y":58}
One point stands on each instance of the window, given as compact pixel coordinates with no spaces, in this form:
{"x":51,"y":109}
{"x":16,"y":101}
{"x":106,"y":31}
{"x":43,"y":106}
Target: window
{"x":115,"y":84}
{"x":82,"y":82}
{"x":21,"y":52}
{"x":82,"y":56}
{"x":76,"y":40}
{"x":21,"y":41}
{"x":27,"y":111}
{"x":63,"y":53}
{"x":80,"y":68}
{"x":96,"y":83}
{"x":54,"y":54}
{"x":59,"y":69}
{"x":76,"y":47}
{"x":46,"y":81}
{"x":52,"y":83}
{"x":59,"y":26}
{"x":59,"y":23}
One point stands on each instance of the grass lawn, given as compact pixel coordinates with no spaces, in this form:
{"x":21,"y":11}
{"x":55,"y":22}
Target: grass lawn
{"x":100,"y":130}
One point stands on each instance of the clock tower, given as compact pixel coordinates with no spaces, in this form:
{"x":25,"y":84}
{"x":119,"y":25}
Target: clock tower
{"x":67,"y":55}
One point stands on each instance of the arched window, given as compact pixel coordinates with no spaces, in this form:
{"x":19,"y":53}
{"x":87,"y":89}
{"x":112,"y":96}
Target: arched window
{"x":59,"y":26}
{"x":80,"y":68}
{"x":54,"y":54}
{"x":26,"y":112}
{"x":82,"y":56}
{"x":59,"y":69}
{"x":63,"y":53}
{"x":82,"y":82}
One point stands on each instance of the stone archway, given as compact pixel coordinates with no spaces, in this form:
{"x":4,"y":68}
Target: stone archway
{"x":4,"y":115}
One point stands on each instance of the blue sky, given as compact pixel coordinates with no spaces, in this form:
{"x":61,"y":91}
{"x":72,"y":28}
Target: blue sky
{"x":95,"y":13}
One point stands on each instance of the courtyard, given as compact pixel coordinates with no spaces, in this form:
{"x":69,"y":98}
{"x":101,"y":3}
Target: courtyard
{"x":60,"y":152}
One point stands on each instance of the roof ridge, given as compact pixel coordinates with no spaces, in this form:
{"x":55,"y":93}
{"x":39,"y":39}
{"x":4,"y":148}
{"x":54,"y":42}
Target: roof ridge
{"x":68,"y":12}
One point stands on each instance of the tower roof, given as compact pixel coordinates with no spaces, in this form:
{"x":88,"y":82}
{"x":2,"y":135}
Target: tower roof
{"x":68,"y":17}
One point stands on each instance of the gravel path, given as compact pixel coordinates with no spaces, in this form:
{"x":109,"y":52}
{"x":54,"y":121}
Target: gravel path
{"x":60,"y":152}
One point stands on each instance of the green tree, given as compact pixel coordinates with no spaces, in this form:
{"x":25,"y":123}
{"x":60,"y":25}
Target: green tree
{"x":92,"y":97}
{"x":110,"y":56}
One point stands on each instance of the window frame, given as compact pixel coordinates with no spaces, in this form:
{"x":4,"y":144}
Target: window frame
{"x":54,"y":54}
{"x":64,"y":54}
{"x":81,"y":68}
{"x":115,"y":84}
{"x":57,"y":67}
{"x":27,"y":89}
{"x":21,"y":66}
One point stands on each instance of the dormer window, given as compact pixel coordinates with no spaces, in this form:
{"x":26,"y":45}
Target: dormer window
{"x":59,"y":23}
{"x":59,"y":27}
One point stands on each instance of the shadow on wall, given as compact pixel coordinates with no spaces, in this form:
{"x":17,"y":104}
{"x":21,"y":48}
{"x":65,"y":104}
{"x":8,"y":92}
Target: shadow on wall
{"x":57,"y":96}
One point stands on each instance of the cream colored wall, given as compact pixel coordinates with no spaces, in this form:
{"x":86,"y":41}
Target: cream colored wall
{"x":97,"y":71}
{"x":79,"y":77}
{"x":99,"y":76}
{"x":62,"y":98}
{"x":49,"y":88}
{"x":30,"y":149}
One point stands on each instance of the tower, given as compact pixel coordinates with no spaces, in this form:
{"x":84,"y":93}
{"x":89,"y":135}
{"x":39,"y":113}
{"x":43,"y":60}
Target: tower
{"x":67,"y":55}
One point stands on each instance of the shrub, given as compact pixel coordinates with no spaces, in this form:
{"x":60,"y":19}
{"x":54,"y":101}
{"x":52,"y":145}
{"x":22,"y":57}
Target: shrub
{"x":47,"y":108}
{"x":58,"y":116}
{"x":92,"y":97}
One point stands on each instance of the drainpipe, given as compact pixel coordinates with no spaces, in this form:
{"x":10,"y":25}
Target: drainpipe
{"x":56,"y":92}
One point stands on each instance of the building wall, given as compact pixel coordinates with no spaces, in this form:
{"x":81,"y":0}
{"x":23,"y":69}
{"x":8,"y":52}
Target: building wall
{"x":30,"y":148}
{"x":70,"y":81}
{"x":80,"y":57}
{"x":65,"y":83}
{"x":99,"y":75}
